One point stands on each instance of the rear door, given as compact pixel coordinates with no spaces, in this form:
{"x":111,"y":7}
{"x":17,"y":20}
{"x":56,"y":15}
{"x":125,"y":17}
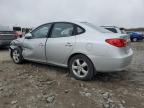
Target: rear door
{"x":34,"y":49}
{"x":60,"y":44}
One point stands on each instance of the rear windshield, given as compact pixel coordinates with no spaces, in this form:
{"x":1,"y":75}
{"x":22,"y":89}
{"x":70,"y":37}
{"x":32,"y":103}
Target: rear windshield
{"x":17,"y":28}
{"x":100,"y":29}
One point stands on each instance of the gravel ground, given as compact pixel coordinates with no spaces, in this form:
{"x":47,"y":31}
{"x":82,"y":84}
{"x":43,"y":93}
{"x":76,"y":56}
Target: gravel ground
{"x":33,"y":85}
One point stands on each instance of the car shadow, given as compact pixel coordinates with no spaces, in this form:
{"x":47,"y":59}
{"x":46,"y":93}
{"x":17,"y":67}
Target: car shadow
{"x":102,"y":77}
{"x":112,"y":76}
{"x":99,"y":77}
{"x":59,"y":70}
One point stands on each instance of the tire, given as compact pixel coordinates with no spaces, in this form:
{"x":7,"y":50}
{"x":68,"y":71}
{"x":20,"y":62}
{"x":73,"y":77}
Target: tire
{"x":135,"y":40}
{"x":17,"y":56}
{"x":81,"y":68}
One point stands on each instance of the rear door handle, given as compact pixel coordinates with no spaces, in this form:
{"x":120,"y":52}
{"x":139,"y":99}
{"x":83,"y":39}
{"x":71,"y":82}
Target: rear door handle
{"x":68,"y":44}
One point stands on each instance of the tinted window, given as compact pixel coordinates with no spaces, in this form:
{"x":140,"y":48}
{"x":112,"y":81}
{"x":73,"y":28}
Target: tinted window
{"x":112,"y":30}
{"x":17,"y":28}
{"x":41,"y":32}
{"x":79,"y":30}
{"x":62,"y":30}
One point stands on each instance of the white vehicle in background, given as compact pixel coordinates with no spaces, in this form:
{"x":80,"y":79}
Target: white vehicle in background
{"x":115,"y":29}
{"x":21,"y":31}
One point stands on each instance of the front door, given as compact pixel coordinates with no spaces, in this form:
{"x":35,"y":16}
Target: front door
{"x":34,"y":48}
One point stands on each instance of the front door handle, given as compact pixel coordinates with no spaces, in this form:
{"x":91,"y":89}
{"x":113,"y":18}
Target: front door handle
{"x":41,"y":44}
{"x":68,"y":44}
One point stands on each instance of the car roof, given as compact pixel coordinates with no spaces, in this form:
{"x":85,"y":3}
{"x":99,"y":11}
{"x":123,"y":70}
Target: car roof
{"x":109,"y":26}
{"x":65,"y":21}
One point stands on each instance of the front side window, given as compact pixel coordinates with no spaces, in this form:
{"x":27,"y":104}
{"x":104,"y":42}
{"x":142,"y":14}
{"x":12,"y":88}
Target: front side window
{"x":62,"y":30}
{"x":41,"y":32}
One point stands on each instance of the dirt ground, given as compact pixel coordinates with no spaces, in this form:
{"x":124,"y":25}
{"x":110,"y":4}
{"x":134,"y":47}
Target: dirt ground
{"x":33,"y":85}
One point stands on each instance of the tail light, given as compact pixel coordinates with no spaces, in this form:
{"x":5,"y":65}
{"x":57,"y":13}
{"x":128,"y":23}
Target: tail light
{"x":116,"y":42}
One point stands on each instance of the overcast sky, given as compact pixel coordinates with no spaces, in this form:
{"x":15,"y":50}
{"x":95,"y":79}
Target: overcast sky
{"x":125,"y":13}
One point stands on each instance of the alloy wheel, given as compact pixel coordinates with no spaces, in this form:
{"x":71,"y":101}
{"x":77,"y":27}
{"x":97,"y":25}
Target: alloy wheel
{"x":80,"y":68}
{"x":16,"y":56}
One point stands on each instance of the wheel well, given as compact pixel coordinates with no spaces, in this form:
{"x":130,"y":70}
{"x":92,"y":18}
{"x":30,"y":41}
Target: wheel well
{"x":83,"y":55}
{"x":13,"y":49}
{"x":75,"y":55}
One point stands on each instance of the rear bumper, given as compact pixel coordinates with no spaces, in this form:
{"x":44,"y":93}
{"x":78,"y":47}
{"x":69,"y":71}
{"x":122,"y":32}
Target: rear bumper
{"x":108,"y":64}
{"x":5,"y":42}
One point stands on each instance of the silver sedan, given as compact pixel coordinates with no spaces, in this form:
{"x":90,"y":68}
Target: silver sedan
{"x":81,"y":46}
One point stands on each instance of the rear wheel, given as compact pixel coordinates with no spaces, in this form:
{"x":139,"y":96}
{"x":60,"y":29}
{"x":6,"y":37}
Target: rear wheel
{"x":17,"y":55}
{"x":81,"y":67}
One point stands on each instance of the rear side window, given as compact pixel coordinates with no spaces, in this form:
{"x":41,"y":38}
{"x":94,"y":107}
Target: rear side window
{"x":79,"y":30}
{"x":112,"y":30}
{"x":62,"y":30}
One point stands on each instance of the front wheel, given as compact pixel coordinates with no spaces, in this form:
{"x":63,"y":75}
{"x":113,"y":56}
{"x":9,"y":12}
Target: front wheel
{"x":81,"y":68}
{"x":17,"y":55}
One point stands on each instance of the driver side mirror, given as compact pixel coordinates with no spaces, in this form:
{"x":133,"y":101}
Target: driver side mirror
{"x":28,"y":36}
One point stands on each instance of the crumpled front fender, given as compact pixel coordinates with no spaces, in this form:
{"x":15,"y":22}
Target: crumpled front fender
{"x":12,"y":47}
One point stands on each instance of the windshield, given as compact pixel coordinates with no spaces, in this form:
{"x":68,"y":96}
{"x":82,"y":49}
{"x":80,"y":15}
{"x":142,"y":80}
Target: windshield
{"x":17,"y":28}
{"x":100,"y":29}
